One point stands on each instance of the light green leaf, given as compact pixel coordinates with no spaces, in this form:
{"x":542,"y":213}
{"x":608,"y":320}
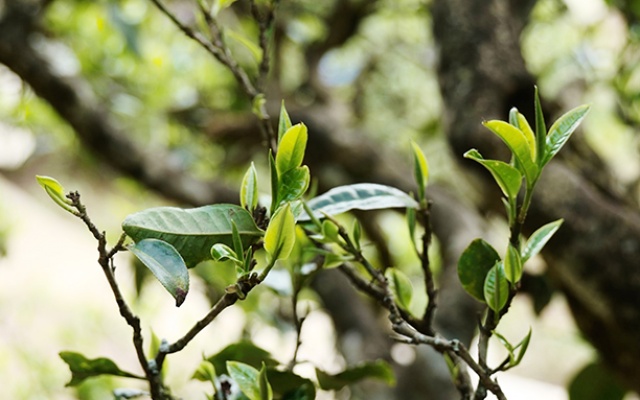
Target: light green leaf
{"x":281,"y":234}
{"x":523,"y":345}
{"x":222,"y":252}
{"x":524,"y":126}
{"x":401,"y":286}
{"x":561,"y":130}
{"x":473,"y":266}
{"x":411,"y":223}
{"x":266,"y":393}
{"x":513,"y":265}
{"x":293,"y":184}
{"x":515,"y":139}
{"x":246,"y":377}
{"x":275,"y":202}
{"x":420,"y":170}
{"x":249,"y":189}
{"x":539,"y":238}
{"x":206,"y":372}
{"x":377,"y":370}
{"x":496,"y":288}
{"x":541,"y":130}
{"x":284,"y":122}
{"x":166,"y":264}
{"x":254,"y":49}
{"x":507,"y":177}
{"x":193,"y":231}
{"x":356,"y":234}
{"x":55,"y":190}
{"x":362,"y":196}
{"x":291,"y":149}
{"x":83,"y":368}
{"x":332,"y":260}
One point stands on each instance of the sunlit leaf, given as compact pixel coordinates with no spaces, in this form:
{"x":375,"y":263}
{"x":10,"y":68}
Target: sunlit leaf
{"x":249,"y":189}
{"x":291,"y":149}
{"x":281,"y":234}
{"x":561,"y":130}
{"x":193,"y":231}
{"x":55,"y":190}
{"x":362,"y":196}
{"x":473,"y":266}
{"x":401,"y":286}
{"x":83,"y":368}
{"x":166,"y":264}
{"x":246,"y":377}
{"x":539,"y":238}
{"x":420,"y":170}
{"x":515,"y":139}
{"x":254,"y":49}
{"x":507,"y":177}
{"x":496,"y":288}
{"x":376,"y":370}
{"x":524,"y":126}
{"x":206,"y":372}
{"x":293,"y":183}
{"x":284,"y":122}
{"x":513,"y":264}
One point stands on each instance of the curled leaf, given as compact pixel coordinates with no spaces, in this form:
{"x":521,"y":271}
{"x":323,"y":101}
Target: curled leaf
{"x":55,"y":190}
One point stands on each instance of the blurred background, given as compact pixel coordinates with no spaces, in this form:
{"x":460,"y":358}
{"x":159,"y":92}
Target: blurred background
{"x":114,"y":101}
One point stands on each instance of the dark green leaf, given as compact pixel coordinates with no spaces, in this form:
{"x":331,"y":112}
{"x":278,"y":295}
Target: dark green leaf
{"x":290,"y":386}
{"x":513,"y":265}
{"x":293,"y":183}
{"x":541,"y":130}
{"x":291,"y":149}
{"x":473,"y":266}
{"x":561,"y":130}
{"x":362,"y":196}
{"x":516,"y":140}
{"x":83,"y":368}
{"x":284,"y":122}
{"x":55,"y":190}
{"x":376,"y":370}
{"x":243,"y":351}
{"x":166,"y":264}
{"x":249,"y":189}
{"x":401,"y":286}
{"x":266,"y":393}
{"x":281,"y":234}
{"x":193,"y":231}
{"x":246,"y":377}
{"x":595,"y":382}
{"x":496,"y":288}
{"x":275,"y":201}
{"x":507,"y":177}
{"x":539,"y":238}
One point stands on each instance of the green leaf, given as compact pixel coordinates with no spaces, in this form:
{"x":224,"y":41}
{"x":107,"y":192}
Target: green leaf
{"x":238,"y":248}
{"x":193,"y":231}
{"x":281,"y":234}
{"x":496,"y":288}
{"x":249,"y":189}
{"x":514,"y":359}
{"x":420,"y":170}
{"x":293,"y":184}
{"x":284,"y":122}
{"x":523,"y":345}
{"x":356,"y":234}
{"x":166,"y":264}
{"x":561,"y":131}
{"x":516,"y":140}
{"x":473,"y":266}
{"x":290,"y":386}
{"x":401,"y":287}
{"x":377,"y":370}
{"x":254,"y":49}
{"x":246,"y":377}
{"x":206,"y":372}
{"x":83,"y":368}
{"x":411,"y":223}
{"x":222,"y":252}
{"x":55,"y":190}
{"x":291,"y":149}
{"x":507,"y":177}
{"x":361,"y":196}
{"x":275,"y":202}
{"x":513,"y":265}
{"x":541,"y":130}
{"x":595,"y":382}
{"x":266,"y":393}
{"x":243,"y":351}
{"x":539,"y":238}
{"x":524,"y":126}
{"x":332,"y":260}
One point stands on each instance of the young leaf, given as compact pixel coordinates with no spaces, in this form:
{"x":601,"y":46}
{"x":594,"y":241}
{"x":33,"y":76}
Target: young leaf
{"x":238,"y":248}
{"x":420,"y":170}
{"x":281,"y":234}
{"x":513,"y":265}
{"x":284,"y":122}
{"x":507,"y":177}
{"x":275,"y":200}
{"x":411,"y":223}
{"x":517,"y":143}
{"x":246,"y":377}
{"x":249,"y":189}
{"x":523,"y":345}
{"x":83,"y":368}
{"x":539,"y":238}
{"x":266,"y":393}
{"x":291,"y":148}
{"x":55,"y":190}
{"x":330,"y":231}
{"x":332,"y":260}
{"x":222,"y":252}
{"x":293,"y":183}
{"x":193,"y":231}
{"x":206,"y":372}
{"x":561,"y":130}
{"x":473,"y":266}
{"x":243,"y":351}
{"x":496,"y":288}
{"x":166,"y":264}
{"x":401,"y":286}
{"x":254,"y":49}
{"x":541,"y":130}
{"x":362,"y":196}
{"x":376,"y":370}
{"x":524,"y":126}
{"x":356,"y":234}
